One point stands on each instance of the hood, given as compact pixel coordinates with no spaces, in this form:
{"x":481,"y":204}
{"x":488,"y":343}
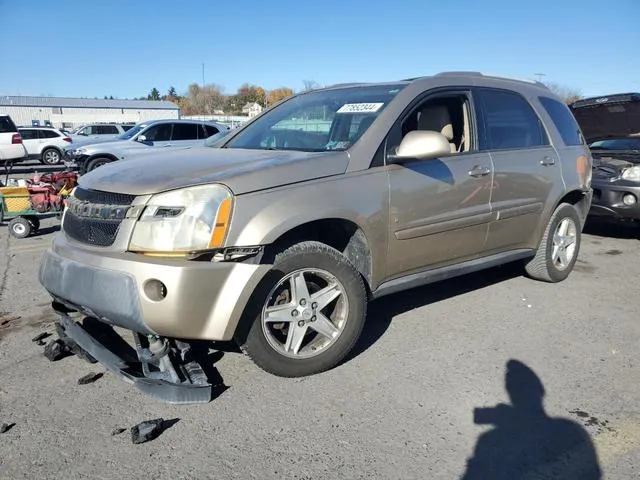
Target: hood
{"x":609,"y":116}
{"x":81,"y":141}
{"x":243,"y":171}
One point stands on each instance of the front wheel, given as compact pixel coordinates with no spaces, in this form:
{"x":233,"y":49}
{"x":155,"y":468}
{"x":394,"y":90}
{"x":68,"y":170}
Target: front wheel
{"x":97,"y":162}
{"x":559,"y":247}
{"x":312,"y":315}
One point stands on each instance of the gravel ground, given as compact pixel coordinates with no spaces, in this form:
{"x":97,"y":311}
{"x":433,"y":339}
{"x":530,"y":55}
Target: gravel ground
{"x":402,"y":407}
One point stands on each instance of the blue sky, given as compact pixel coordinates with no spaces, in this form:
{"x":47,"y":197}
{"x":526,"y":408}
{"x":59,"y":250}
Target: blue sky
{"x":124,"y":48}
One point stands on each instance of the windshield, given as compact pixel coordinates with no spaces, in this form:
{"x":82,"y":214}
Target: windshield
{"x":323,"y":120}
{"x":132,"y":132}
{"x":617,"y":144}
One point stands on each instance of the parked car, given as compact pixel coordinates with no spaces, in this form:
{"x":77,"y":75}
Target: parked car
{"x":157,"y":133}
{"x":279,"y":236}
{"x":44,"y":143}
{"x":611,"y":125}
{"x":11,"y":146}
{"x":100,"y":131}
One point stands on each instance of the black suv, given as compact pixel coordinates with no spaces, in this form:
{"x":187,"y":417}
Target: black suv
{"x":611,"y":126}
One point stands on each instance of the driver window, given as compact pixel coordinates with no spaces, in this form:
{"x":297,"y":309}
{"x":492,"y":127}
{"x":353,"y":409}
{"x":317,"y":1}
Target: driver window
{"x":446,"y":115}
{"x":159,"y":133}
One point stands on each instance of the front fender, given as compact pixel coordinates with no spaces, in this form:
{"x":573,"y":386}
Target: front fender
{"x":361,"y":197}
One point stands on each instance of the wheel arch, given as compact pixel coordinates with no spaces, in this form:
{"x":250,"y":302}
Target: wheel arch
{"x":340,"y":233}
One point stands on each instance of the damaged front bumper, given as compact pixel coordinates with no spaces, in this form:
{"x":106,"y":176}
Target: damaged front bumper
{"x":168,"y":370}
{"x":609,"y":199}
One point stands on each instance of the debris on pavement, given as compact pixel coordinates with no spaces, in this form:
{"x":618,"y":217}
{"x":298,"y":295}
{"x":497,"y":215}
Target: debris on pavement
{"x":5,"y":319}
{"x":55,"y":350}
{"x":5,"y":427}
{"x":118,"y":431}
{"x":89,"y":378}
{"x":41,"y":336}
{"x":41,"y":343}
{"x":150,"y":429}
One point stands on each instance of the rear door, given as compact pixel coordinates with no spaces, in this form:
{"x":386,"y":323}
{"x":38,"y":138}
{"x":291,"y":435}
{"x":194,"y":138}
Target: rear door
{"x":185,"y":134}
{"x":31,"y":140}
{"x":526,"y":167}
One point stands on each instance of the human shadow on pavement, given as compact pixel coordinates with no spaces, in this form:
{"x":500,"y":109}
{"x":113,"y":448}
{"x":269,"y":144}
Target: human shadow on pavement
{"x":525,"y":442}
{"x":382,"y":311}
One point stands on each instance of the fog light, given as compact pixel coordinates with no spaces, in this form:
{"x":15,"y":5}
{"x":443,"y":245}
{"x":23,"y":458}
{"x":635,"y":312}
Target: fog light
{"x":629,"y":199}
{"x":155,"y":290}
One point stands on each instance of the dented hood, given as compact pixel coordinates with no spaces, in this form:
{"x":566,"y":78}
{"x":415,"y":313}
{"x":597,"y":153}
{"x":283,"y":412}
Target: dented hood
{"x":608,"y":116}
{"x":242,"y":170}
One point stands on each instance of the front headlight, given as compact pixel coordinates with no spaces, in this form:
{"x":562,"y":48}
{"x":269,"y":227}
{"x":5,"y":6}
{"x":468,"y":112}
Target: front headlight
{"x":186,"y":220}
{"x":632,"y":173}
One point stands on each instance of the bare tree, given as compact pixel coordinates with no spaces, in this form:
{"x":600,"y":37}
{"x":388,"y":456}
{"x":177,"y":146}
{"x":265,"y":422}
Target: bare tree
{"x":310,"y":85}
{"x":567,"y":94}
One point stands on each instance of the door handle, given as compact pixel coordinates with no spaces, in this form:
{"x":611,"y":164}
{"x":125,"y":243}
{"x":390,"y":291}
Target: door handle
{"x":479,"y":171}
{"x":547,"y":161}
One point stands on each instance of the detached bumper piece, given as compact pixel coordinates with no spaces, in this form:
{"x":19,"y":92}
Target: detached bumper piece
{"x":162,"y":368}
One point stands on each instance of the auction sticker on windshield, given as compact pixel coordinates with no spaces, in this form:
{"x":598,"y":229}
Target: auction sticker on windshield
{"x":360,"y":107}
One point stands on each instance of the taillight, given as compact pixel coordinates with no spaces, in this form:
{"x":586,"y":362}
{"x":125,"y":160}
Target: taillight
{"x":16,"y":138}
{"x":67,"y":139}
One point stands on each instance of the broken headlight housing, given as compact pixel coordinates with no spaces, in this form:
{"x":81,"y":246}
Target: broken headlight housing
{"x":632,"y":173}
{"x":183,"y":221}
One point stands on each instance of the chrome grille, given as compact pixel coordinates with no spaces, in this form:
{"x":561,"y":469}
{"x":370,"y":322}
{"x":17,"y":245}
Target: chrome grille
{"x":94,"y":217}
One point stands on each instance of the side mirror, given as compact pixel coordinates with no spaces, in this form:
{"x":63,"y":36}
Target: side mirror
{"x":142,"y":138}
{"x":421,"y":145}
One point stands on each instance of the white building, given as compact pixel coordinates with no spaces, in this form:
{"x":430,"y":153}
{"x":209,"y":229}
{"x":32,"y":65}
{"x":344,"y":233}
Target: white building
{"x":71,"y":112}
{"x":252,"y":109}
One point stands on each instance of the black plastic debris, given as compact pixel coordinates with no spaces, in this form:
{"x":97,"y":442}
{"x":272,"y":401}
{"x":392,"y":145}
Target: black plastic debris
{"x":150,"y":429}
{"x":118,"y":431}
{"x":55,"y":350}
{"x":89,"y":378}
{"x":5,"y":427}
{"x":41,"y":336}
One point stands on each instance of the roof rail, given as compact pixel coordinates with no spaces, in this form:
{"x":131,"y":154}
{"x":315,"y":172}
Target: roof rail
{"x":485,"y":75}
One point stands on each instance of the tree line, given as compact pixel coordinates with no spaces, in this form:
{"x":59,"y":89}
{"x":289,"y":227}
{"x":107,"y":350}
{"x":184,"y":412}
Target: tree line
{"x":210,"y":99}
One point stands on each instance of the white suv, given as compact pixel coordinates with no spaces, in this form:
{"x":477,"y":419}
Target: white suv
{"x":44,"y":143}
{"x":11,"y":147}
{"x":100,"y":131}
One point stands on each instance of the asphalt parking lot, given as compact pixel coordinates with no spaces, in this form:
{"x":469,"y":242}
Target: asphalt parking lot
{"x":402,"y":407}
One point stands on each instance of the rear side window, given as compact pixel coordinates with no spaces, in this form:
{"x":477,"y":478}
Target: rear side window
{"x":509,"y":122}
{"x":209,"y":131}
{"x":564,"y":121}
{"x":185,"y":131}
{"x":29,"y":134}
{"x":7,"y":125}
{"x":48,"y":134}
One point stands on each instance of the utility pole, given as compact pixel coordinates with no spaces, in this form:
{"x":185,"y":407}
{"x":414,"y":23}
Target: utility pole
{"x":540,"y":75}
{"x":203,"y":75}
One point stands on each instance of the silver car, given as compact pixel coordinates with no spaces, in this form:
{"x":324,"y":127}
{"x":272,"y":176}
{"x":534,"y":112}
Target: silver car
{"x":140,"y":138}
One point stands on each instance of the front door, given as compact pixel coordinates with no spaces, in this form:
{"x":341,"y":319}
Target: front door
{"x":439,"y":208}
{"x":526,"y":166}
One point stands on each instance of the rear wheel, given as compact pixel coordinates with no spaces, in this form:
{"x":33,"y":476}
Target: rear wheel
{"x":20,"y":227}
{"x":312,"y":315}
{"x":559,"y":247}
{"x":34,"y":221}
{"x":51,"y":156}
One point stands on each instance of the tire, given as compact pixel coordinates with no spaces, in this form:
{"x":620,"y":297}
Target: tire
{"x":97,"y":162}
{"x":51,"y":156}
{"x":20,"y":227}
{"x":316,"y":259}
{"x":543,"y":266}
{"x":34,"y":221}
